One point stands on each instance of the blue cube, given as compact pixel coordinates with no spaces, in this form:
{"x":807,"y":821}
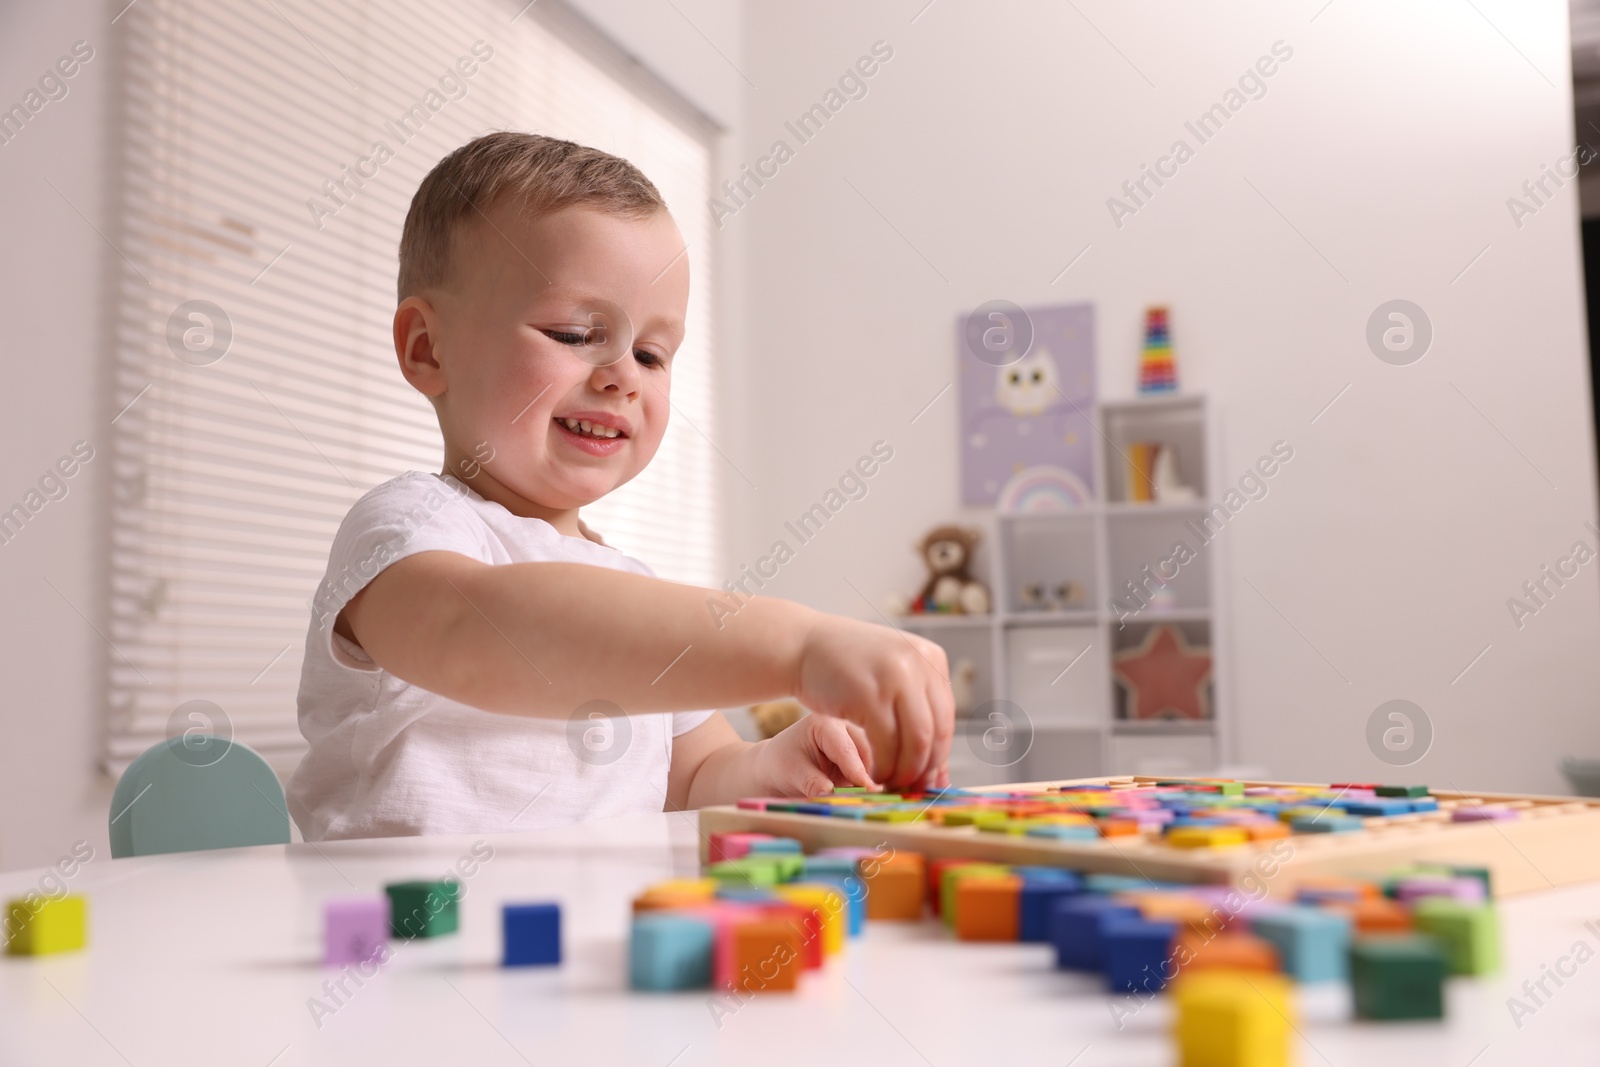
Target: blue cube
{"x":830,"y":866}
{"x":1068,"y":832}
{"x":668,"y":951}
{"x":777,"y":844}
{"x":1314,"y":944}
{"x":532,"y":934}
{"x":1138,"y":954}
{"x":1075,"y":926}
{"x":1327,"y":824}
{"x":1038,"y":900}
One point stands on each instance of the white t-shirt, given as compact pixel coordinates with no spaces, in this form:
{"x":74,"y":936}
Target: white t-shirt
{"x":389,"y":758}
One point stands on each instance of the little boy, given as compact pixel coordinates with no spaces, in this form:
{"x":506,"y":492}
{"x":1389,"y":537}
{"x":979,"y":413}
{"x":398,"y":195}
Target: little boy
{"x":478,"y":659}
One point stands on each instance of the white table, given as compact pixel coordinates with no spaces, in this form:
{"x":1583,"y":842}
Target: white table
{"x":212,"y":958}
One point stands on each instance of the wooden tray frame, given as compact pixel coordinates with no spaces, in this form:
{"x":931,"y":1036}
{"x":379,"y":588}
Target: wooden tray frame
{"x":1555,"y":842}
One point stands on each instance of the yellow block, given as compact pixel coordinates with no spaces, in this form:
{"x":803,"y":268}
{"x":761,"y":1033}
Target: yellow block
{"x":829,"y":902}
{"x":47,"y":926}
{"x":1206,"y":836}
{"x":1232,"y":1019}
{"x":1291,"y":814}
{"x":676,"y":893}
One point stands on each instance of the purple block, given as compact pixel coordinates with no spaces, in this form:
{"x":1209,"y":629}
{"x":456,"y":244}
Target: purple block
{"x":852,"y":852}
{"x":355,"y":929}
{"x":1415,"y":887}
{"x":1483,"y":814}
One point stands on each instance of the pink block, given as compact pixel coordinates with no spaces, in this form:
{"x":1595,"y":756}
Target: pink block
{"x":355,"y":929}
{"x":760,"y":803}
{"x":733,"y":845}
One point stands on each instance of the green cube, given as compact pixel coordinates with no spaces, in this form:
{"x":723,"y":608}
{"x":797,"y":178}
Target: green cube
{"x":1469,"y":933}
{"x":423,"y":909}
{"x":1402,"y":790}
{"x":1398,"y":977}
{"x":895,"y":815}
{"x":748,"y":871}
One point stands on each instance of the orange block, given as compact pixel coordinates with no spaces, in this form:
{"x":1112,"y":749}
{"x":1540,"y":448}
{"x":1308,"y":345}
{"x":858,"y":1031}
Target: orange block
{"x":1230,"y":952}
{"x":766,"y":956}
{"x":988,"y":909}
{"x":894,"y":888}
{"x":1374,"y":915}
{"x":1169,"y":907}
{"x":1118,"y":827}
{"x":1266,"y":831}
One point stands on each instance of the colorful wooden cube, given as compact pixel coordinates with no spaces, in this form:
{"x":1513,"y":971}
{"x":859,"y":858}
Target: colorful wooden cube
{"x":732,"y":845}
{"x":1402,"y":790}
{"x":988,"y":909}
{"x":1397,"y":977}
{"x":828,"y":904}
{"x":895,"y":888}
{"x":670,"y":951}
{"x":1197,"y":951}
{"x":532,"y":934}
{"x":1314,"y":944}
{"x":952,"y":876}
{"x":1138,"y":954}
{"x":1233,"y":1019}
{"x":1469,"y":933}
{"x":1075,"y":929}
{"x":854,"y":892}
{"x":767,"y":956}
{"x":423,"y":909}
{"x":1376,"y":915}
{"x":676,"y":893}
{"x":39,"y":926}
{"x":1206,"y":836}
{"x":355,"y":930}
{"x":748,"y":871}
{"x":764,"y":845}
{"x":1037,"y":900}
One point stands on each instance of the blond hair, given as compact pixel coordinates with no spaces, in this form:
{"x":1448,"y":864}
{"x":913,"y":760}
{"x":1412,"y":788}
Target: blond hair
{"x":544,"y":173}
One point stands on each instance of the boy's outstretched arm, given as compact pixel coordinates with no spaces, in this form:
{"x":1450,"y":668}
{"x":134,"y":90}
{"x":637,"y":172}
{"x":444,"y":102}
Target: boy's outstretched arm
{"x":540,"y":639}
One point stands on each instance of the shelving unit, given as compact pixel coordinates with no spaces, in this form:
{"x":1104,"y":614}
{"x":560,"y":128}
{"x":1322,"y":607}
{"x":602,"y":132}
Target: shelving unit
{"x":1056,"y":666}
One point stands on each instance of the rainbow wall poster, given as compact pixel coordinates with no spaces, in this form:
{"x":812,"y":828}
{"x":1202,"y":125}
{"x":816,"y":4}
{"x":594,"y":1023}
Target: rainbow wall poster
{"x":1042,"y":490}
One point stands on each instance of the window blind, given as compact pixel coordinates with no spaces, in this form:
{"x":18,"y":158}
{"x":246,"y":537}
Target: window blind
{"x":256,"y":394}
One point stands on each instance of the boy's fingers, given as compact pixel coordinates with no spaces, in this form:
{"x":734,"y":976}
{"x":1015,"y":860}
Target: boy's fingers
{"x":944,"y":720}
{"x":840,"y":746}
{"x":916,"y":737}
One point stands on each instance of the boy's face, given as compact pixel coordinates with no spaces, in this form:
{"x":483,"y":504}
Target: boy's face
{"x":547,"y":324}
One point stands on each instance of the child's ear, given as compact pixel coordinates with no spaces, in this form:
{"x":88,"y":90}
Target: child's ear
{"x":415,"y":338}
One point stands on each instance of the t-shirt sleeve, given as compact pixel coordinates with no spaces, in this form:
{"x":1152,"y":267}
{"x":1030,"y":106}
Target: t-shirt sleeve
{"x":402,"y":517}
{"x":684,"y":721}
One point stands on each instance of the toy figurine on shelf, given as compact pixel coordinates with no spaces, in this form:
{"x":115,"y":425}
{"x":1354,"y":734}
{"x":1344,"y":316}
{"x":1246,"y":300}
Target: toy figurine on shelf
{"x":950,"y":589}
{"x":1158,"y":370}
{"x":1043,"y":596}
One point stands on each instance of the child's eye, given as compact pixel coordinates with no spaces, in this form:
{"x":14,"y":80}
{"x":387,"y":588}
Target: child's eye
{"x":648,"y":359}
{"x":565,"y":337}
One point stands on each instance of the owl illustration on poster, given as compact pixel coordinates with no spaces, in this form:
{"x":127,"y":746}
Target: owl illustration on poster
{"x":1027,"y":389}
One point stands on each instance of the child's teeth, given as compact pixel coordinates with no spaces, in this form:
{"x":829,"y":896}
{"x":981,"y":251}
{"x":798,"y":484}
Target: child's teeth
{"x":584,"y":426}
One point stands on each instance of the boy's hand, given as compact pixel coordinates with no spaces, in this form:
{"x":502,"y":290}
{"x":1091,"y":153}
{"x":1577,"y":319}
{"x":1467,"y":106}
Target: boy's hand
{"x":893,"y":685}
{"x":812,"y":756}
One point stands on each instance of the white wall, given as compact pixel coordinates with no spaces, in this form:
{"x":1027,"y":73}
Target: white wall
{"x":1377,"y":166}
{"x":52,"y":274}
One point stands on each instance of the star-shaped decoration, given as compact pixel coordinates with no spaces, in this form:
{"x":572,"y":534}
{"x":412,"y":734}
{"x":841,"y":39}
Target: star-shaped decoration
{"x":1164,"y":677}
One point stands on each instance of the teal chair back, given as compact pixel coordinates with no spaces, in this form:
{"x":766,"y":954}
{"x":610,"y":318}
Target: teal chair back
{"x":197,"y":792}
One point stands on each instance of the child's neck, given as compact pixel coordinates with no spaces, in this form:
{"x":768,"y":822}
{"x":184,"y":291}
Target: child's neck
{"x":480,"y":481}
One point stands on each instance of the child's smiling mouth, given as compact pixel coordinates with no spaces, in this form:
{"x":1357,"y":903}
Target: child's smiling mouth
{"x":598,"y":433}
